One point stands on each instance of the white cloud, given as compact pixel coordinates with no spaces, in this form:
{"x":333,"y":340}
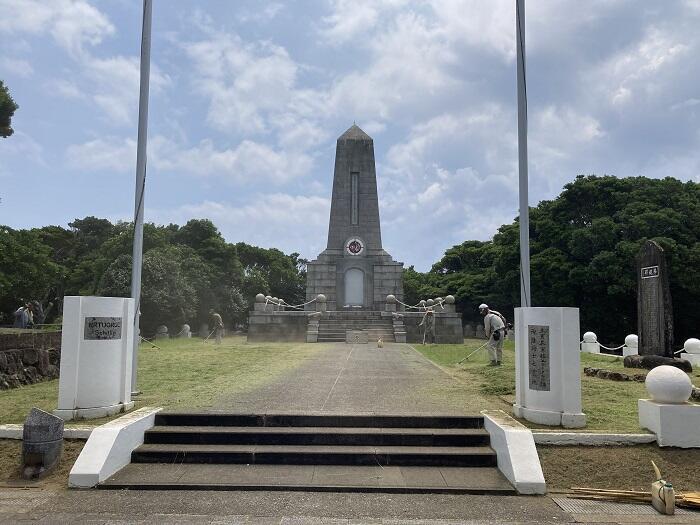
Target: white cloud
{"x":110,"y":154}
{"x":244,"y":82}
{"x":73,"y":24}
{"x":113,"y":84}
{"x":637,"y":72}
{"x":249,"y":162}
{"x":16,"y":66}
{"x":292,"y":223}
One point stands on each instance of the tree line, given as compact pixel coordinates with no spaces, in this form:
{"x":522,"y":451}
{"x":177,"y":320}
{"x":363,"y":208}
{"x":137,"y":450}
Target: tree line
{"x":187,"y":270}
{"x":584,"y":246}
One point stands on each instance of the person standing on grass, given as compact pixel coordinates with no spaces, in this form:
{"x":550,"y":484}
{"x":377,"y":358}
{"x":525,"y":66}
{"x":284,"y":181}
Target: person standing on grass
{"x":494,"y":328}
{"x":218,"y":325}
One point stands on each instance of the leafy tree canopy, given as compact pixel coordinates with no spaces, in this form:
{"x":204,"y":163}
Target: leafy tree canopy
{"x":584,"y":247}
{"x":7,"y":110}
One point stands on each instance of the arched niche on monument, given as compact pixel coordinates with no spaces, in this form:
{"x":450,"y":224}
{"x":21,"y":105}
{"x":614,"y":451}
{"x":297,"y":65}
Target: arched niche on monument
{"x":354,"y":287}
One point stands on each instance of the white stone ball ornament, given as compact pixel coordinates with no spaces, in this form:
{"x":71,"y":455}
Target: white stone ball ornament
{"x":632,"y":341}
{"x":391,"y":299}
{"x":590,"y":337}
{"x":450,"y":299}
{"x":260,"y":298}
{"x":692,"y":346}
{"x":668,"y":384}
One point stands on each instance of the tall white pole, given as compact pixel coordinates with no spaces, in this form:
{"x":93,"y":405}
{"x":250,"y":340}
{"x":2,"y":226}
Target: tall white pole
{"x":140,"y":181}
{"x":522,"y":158}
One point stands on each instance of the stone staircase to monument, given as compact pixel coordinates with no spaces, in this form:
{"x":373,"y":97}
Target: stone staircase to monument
{"x":332,"y":327}
{"x":321,"y":452}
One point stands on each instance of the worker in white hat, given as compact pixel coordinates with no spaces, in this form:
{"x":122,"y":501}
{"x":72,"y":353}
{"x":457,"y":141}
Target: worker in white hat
{"x":494,"y":328}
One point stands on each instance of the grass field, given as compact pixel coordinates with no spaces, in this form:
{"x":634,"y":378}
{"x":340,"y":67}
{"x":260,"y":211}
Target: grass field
{"x":609,"y":405}
{"x":182,"y":372}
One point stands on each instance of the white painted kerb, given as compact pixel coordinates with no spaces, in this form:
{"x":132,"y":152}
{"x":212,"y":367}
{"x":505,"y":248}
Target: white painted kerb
{"x":109,"y":447}
{"x":516,"y":452}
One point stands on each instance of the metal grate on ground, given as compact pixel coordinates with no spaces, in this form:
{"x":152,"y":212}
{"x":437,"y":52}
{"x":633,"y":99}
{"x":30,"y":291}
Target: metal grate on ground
{"x":583,"y":506}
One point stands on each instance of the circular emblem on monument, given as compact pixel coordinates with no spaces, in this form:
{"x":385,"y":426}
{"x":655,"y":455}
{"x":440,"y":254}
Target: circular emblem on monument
{"x":354,"y":246}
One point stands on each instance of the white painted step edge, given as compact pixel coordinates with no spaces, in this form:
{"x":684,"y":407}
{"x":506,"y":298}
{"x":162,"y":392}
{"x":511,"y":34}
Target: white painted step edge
{"x":515,"y":451}
{"x":109,"y":447}
{"x":591,"y":439}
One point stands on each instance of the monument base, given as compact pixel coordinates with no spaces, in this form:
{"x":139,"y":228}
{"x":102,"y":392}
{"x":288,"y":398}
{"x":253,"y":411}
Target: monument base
{"x":92,"y":413}
{"x":675,"y":425}
{"x":549,"y":417}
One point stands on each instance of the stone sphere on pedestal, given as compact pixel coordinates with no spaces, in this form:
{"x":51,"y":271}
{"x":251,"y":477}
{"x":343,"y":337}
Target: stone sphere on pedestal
{"x":391,"y":299}
{"x":422,"y":303}
{"x":632,"y":341}
{"x":430,"y":302}
{"x":692,"y":346}
{"x":438,"y":300}
{"x":450,"y":299}
{"x":321,"y":298}
{"x":260,"y":298}
{"x":275,"y":300}
{"x":268,"y":297}
{"x":590,"y":337}
{"x":668,"y":384}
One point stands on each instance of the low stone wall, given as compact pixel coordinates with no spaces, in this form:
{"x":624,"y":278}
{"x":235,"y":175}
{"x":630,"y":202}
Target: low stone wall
{"x":448,"y":327}
{"x":28,"y":357}
{"x":277,"y":326}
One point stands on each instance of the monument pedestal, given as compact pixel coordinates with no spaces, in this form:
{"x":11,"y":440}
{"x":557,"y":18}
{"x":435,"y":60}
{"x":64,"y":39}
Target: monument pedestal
{"x":675,"y":424}
{"x":96,"y":354}
{"x":547,"y":367}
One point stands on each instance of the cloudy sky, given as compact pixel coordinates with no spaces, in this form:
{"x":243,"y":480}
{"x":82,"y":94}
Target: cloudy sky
{"x":247,"y":100}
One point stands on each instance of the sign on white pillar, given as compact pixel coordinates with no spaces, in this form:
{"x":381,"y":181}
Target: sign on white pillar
{"x":547,"y":367}
{"x":96,"y":354}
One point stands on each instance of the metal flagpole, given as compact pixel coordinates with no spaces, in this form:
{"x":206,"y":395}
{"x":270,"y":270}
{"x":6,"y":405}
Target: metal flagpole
{"x":137,"y":257}
{"x":522,"y":158}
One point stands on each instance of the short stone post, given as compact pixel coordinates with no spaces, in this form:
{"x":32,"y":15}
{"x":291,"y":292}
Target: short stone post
{"x":321,"y":303}
{"x":631,"y":345}
{"x":185,"y":332}
{"x":259,"y":305}
{"x":42,"y":443}
{"x":449,"y":304}
{"x":390,"y":303}
{"x":590,"y":343}
{"x":692,"y":351}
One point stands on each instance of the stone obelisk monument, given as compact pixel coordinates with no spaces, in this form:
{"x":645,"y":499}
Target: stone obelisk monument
{"x":354,"y":272}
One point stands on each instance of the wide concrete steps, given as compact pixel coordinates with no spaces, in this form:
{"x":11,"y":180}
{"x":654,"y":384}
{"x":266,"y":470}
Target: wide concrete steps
{"x":314,"y":452}
{"x":333,"y":330}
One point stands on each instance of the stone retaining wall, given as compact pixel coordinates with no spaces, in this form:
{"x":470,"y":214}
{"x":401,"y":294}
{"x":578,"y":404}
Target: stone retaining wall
{"x":28,"y":357}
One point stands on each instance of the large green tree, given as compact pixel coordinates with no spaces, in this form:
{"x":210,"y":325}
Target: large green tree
{"x":7,"y":110}
{"x":584,"y":247}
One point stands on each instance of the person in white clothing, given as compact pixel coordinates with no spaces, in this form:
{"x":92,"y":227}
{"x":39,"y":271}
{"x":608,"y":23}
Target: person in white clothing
{"x":494,"y":329}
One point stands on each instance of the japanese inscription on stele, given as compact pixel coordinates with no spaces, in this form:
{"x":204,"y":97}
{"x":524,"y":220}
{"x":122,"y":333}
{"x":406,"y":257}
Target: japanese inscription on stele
{"x":102,"y":328}
{"x":650,"y":271}
{"x":538,"y":357}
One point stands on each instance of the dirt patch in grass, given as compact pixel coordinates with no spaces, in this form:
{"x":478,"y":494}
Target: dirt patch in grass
{"x":10,"y":457}
{"x":619,"y":467}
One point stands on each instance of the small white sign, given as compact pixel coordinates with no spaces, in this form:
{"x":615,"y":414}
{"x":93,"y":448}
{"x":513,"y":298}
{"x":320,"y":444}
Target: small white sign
{"x":649,"y":272}
{"x":102,"y":328}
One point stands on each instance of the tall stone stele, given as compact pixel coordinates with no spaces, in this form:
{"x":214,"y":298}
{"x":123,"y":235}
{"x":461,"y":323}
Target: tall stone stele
{"x":354,"y":271}
{"x":654,"y":308}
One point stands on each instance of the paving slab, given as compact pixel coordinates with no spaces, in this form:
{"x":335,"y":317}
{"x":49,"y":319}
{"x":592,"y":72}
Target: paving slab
{"x":349,"y":379}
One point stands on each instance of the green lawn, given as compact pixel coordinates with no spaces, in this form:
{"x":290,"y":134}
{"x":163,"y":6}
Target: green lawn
{"x":182,"y":372}
{"x":609,"y":405}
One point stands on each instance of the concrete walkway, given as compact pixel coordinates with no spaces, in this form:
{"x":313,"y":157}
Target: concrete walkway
{"x":361,"y":378}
